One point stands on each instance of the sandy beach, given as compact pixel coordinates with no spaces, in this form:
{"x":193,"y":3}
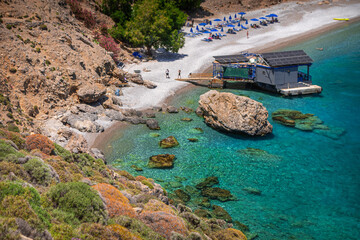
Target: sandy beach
{"x":297,"y":22}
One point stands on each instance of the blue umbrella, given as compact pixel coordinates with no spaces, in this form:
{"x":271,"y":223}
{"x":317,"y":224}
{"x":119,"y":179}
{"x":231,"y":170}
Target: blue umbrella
{"x":210,"y":23}
{"x":191,"y":30}
{"x":217,"y":20}
{"x":214,"y":30}
{"x":246,"y":22}
{"x":206,"y":32}
{"x":254,"y":19}
{"x":202,"y":24}
{"x":268,"y":15}
{"x":222,"y":30}
{"x":274,"y":15}
{"x":262,"y":18}
{"x":230,"y":25}
{"x":242,"y":13}
{"x":197,"y":28}
{"x":239,"y":24}
{"x":243,"y":27}
{"x":235,"y":15}
{"x":224,"y":18}
{"x":230,"y":17}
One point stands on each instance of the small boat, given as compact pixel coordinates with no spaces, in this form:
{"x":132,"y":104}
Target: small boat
{"x":342,"y":19}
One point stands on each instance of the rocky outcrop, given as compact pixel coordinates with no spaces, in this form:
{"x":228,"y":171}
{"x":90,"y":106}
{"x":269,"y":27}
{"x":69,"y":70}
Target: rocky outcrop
{"x":218,"y":193}
{"x":231,"y":113}
{"x":162,"y":161}
{"x":90,"y":94}
{"x":168,"y":142}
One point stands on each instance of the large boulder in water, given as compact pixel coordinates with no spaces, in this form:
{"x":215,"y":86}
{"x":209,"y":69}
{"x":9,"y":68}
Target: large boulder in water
{"x":161,"y":161}
{"x":231,"y":113}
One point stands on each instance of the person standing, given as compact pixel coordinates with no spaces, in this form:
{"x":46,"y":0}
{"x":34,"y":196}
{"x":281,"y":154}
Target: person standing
{"x":179,"y":74}
{"x":247,"y":34}
{"x":167,"y":73}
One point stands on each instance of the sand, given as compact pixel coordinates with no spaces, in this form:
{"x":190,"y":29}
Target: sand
{"x":297,"y":23}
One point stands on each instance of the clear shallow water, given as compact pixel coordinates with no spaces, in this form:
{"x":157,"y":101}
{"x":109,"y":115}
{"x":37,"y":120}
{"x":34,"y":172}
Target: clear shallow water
{"x":310,"y":183}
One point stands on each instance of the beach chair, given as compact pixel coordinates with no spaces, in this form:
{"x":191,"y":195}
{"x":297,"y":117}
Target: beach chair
{"x":206,"y":39}
{"x":137,"y":55}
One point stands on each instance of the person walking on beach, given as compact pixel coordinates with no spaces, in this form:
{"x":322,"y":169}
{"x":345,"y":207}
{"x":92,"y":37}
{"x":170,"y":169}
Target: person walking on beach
{"x":247,"y":34}
{"x":167,"y":73}
{"x":179,"y":74}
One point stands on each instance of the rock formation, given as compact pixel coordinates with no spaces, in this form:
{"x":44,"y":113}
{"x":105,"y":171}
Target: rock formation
{"x":231,"y":113}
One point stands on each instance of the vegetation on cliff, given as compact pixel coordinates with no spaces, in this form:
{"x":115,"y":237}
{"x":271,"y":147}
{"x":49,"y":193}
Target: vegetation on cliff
{"x":48,"y":192}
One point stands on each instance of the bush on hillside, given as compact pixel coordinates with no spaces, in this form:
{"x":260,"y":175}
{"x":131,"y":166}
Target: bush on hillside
{"x":9,"y":229}
{"x":95,"y":231}
{"x":38,"y":141}
{"x":15,"y":137}
{"x":30,"y":195}
{"x":79,"y":199}
{"x":6,"y":149}
{"x":40,"y":173}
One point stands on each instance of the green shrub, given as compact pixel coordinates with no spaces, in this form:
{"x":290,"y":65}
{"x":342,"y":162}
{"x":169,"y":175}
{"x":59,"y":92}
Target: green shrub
{"x":19,"y":37}
{"x":138,"y":227}
{"x":8,"y":167}
{"x":37,"y":50}
{"x":52,"y":69}
{"x":28,"y":200}
{"x":27,"y":41}
{"x":13,"y":70}
{"x":4,"y":100}
{"x":43,"y":27}
{"x":95,"y":231}
{"x":13,"y":128}
{"x":47,"y":62}
{"x":62,"y":232}
{"x":13,"y":136}
{"x":63,"y":153}
{"x":79,"y":199}
{"x":9,"y":26}
{"x":40,"y":173}
{"x":6,"y":149}
{"x":9,"y":115}
{"x":8,"y":229}
{"x":147,"y":183}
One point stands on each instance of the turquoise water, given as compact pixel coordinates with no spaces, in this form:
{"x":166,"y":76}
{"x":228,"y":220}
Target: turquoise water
{"x":310,"y":182}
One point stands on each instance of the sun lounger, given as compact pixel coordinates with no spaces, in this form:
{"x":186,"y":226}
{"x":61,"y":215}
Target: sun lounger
{"x":206,"y":39}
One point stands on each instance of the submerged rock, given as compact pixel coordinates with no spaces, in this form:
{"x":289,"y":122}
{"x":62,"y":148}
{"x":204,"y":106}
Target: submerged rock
{"x":152,"y":124}
{"x":161,"y":161}
{"x":297,"y":119}
{"x":253,"y":191}
{"x":207,"y":182}
{"x":186,"y":119}
{"x":136,"y":168}
{"x":258,"y":154}
{"x":193,"y":139}
{"x":182,"y":195}
{"x":231,"y":113}
{"x":220,"y":194}
{"x":221,"y":213}
{"x":196,"y":130}
{"x":168,"y":142}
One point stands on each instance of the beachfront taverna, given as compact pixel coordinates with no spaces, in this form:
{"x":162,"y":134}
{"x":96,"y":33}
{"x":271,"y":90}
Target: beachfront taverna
{"x":286,"y":72}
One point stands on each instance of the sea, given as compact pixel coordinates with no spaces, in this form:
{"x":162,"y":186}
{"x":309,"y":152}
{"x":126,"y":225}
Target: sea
{"x":309,"y":180}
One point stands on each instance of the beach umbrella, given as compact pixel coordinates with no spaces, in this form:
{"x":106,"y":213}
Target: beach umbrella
{"x":217,"y":20}
{"x":210,"y":23}
{"x":269,"y":15}
{"x":235,"y":15}
{"x":214,"y":30}
{"x":222,"y":29}
{"x":262,"y":18}
{"x":230,"y":17}
{"x":254,"y":19}
{"x":202,"y":24}
{"x":197,"y":28}
{"x":246,"y":22}
{"x":273,"y":15}
{"x":224,"y":18}
{"x":243,"y":27}
{"x":230,"y":25}
{"x":206,"y":32}
{"x":242,"y":13}
{"x":191,"y":30}
{"x":239,"y":24}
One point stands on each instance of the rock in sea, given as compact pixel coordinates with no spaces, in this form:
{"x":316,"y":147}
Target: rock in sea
{"x":168,"y":142}
{"x":231,"y":113}
{"x":161,"y":161}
